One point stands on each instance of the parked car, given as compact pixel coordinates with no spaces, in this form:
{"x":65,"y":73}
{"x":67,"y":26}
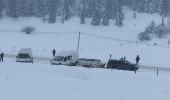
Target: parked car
{"x":65,"y":58}
{"x":121,"y":64}
{"x":90,"y":63}
{"x":24,"y":55}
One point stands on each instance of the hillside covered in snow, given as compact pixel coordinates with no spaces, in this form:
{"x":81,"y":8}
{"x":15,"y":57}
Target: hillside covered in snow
{"x":96,"y":41}
{"x":107,"y":28}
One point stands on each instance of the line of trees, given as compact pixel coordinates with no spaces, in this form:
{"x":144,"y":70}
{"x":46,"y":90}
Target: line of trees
{"x":101,"y":11}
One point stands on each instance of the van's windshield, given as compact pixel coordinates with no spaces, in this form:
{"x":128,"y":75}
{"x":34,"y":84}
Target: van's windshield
{"x":58,"y":58}
{"x":21,"y":55}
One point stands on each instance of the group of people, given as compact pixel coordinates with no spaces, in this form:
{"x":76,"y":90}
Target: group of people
{"x":124,"y":58}
{"x":2,"y":57}
{"x":137,"y":59}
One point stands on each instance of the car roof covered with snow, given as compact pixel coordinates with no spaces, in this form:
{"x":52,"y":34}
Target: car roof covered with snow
{"x":68,"y":53}
{"x":25,"y":50}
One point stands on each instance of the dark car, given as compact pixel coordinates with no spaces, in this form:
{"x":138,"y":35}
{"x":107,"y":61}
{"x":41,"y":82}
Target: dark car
{"x":122,"y":65}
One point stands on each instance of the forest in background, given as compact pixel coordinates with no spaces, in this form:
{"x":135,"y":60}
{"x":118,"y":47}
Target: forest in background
{"x":101,"y":11}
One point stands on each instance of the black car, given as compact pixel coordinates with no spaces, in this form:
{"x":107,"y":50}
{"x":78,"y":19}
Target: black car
{"x":121,"y":64}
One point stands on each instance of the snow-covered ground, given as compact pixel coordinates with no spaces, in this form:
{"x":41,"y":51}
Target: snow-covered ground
{"x":64,"y":37}
{"x":20,"y":81}
{"x":23,"y":81}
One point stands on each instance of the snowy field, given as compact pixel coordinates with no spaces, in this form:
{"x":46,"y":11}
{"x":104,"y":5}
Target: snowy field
{"x":41,"y":81}
{"x":122,"y":42}
{"x":20,"y":81}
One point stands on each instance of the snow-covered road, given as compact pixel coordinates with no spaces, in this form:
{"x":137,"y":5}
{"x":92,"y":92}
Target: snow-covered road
{"x":145,"y":68}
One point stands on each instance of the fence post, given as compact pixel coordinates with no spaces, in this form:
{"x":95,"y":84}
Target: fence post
{"x":157,"y":72}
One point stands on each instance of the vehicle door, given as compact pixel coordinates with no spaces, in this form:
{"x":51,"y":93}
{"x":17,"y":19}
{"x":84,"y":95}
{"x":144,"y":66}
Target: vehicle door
{"x":67,"y":60}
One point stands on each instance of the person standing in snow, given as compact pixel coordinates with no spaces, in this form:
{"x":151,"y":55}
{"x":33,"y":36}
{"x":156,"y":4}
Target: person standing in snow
{"x":2,"y":57}
{"x":110,"y":56}
{"x":121,"y":59}
{"x":53,"y":52}
{"x":124,"y":58}
{"x":137,"y":59}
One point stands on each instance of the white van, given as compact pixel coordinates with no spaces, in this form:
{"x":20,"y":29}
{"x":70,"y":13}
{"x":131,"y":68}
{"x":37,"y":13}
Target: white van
{"x":24,"y":55}
{"x":65,"y":58}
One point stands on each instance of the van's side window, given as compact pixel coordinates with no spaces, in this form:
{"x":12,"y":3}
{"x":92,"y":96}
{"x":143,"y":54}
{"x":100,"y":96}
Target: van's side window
{"x":65,"y":58}
{"x":69,"y":57}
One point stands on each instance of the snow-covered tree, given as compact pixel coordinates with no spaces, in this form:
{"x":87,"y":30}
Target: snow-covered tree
{"x":83,"y":11}
{"x":108,"y":9}
{"x":140,"y":5}
{"x":168,"y":23}
{"x":1,"y":8}
{"x":119,"y":14}
{"x":154,"y":6}
{"x":12,"y":10}
{"x":164,"y":7}
{"x":96,"y":18}
{"x":22,"y":8}
{"x":52,"y":11}
{"x":39,"y":8}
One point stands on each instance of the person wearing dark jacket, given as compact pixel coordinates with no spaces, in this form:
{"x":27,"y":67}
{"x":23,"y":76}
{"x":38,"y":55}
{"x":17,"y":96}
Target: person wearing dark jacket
{"x":137,"y":59}
{"x":2,"y":56}
{"x":53,"y":52}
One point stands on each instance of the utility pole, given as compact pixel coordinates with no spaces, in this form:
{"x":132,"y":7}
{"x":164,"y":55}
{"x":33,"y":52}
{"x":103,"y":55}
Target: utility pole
{"x":78,"y":42}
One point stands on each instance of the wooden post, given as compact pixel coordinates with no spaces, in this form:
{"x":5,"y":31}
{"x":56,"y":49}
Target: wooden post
{"x":78,"y":42}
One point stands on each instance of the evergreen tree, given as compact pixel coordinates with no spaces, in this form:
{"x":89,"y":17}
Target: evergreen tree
{"x":67,"y":9}
{"x":40,"y":8}
{"x":83,"y":8}
{"x":31,"y":9}
{"x":162,"y":23}
{"x":90,"y":7}
{"x":119,"y":14}
{"x":147,"y":6}
{"x":96,"y":18}
{"x":83,"y":16}
{"x":22,"y":7}
{"x":1,"y":8}
{"x":164,"y":7}
{"x":154,"y":6}
{"x":134,"y":7}
{"x":108,"y":12}
{"x":12,"y":10}
{"x":105,"y":19}
{"x":52,"y":11}
{"x":168,"y":23}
